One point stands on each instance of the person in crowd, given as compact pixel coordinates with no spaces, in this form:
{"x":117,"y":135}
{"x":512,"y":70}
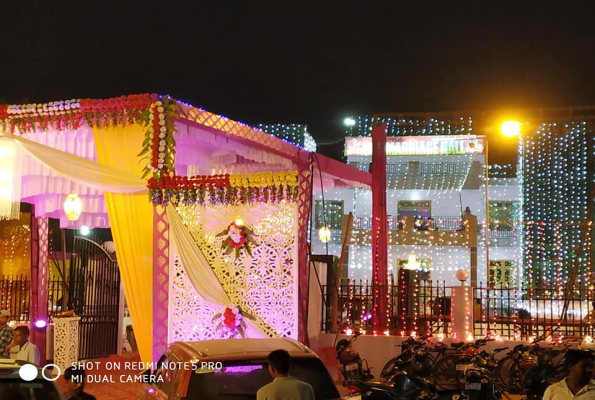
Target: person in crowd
{"x":578,"y":385}
{"x":75,"y":384}
{"x":28,"y":352}
{"x":283,"y":387}
{"x":6,"y":333}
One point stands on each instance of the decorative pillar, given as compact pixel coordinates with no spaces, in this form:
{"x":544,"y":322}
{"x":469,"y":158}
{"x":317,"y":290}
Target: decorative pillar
{"x":379,"y":229}
{"x":160,"y":281}
{"x":461,"y":309}
{"x":66,"y":342}
{"x":38,"y":290}
{"x":304,"y":213}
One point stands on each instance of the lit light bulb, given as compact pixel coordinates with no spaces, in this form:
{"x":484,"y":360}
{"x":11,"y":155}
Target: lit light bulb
{"x":239,"y":222}
{"x":324,"y":234}
{"x":511,"y":128}
{"x":348,"y":331}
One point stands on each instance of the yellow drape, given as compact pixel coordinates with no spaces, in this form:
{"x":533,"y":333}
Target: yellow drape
{"x":131,"y":220}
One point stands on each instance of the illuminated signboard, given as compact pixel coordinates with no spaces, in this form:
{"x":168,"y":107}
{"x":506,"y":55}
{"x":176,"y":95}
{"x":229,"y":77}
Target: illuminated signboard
{"x":417,"y":145}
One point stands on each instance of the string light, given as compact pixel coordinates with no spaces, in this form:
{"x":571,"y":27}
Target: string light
{"x":293,"y":133}
{"x":556,"y":157}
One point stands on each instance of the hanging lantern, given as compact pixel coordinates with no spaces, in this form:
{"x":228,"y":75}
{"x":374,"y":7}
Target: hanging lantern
{"x":72,"y":207}
{"x":324,"y":234}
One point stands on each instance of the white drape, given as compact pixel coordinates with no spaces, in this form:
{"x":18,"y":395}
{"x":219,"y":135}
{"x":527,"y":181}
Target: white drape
{"x":197,"y":267}
{"x":78,"y":169}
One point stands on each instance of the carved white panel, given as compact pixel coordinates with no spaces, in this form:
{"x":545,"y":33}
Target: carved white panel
{"x":66,"y":342}
{"x":264,"y":284}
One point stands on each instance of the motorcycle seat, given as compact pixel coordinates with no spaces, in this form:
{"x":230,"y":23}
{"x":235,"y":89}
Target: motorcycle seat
{"x":457,"y":345}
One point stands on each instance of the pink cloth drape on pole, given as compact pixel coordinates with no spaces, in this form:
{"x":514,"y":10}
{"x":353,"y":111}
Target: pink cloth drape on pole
{"x":379,"y":228}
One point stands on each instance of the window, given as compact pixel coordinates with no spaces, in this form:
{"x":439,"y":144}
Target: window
{"x":166,"y":375}
{"x":334,"y":213}
{"x":240,"y":380}
{"x":503,"y":215}
{"x":415,"y":208}
{"x":502,"y":273}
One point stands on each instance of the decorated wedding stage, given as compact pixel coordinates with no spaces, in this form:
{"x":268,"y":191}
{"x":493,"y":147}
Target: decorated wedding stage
{"x":209,"y":216}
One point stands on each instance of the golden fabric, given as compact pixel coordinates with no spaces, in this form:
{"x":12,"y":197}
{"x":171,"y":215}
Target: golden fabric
{"x":15,"y":246}
{"x":131,"y":220}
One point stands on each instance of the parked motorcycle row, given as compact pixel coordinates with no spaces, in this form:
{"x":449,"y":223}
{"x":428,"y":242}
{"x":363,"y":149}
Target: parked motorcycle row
{"x":430,"y":370}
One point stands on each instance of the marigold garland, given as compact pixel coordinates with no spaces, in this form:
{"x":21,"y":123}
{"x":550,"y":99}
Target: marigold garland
{"x":154,"y":112}
{"x":224,"y":189}
{"x":159,"y":146}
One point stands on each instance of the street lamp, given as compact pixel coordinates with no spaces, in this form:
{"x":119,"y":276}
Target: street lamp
{"x":510,"y":128}
{"x":350,"y":123}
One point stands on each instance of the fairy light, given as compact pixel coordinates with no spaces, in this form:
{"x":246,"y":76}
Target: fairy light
{"x":293,"y":133}
{"x":556,"y":156}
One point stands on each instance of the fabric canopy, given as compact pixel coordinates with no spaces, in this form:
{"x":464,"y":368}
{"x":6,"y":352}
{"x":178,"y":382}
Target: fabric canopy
{"x":197,"y":267}
{"x":86,"y":172}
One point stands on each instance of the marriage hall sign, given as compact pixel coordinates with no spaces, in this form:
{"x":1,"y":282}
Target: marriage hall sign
{"x":418,"y":145}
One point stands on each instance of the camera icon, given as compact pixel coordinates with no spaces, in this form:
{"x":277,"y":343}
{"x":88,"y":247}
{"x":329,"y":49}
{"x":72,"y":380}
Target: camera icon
{"x":30,"y":372}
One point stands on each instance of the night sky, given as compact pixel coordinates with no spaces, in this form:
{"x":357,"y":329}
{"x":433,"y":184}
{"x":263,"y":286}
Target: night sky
{"x":303,"y":62}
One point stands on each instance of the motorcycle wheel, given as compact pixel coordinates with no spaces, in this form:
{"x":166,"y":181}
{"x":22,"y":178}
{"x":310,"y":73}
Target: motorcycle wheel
{"x":445,"y":375}
{"x":510,"y":375}
{"x":389,"y":369}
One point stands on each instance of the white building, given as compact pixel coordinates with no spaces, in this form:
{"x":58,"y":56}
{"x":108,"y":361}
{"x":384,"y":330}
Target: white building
{"x":431,"y":180}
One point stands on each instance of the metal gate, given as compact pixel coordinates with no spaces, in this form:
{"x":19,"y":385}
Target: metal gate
{"x":94,"y":294}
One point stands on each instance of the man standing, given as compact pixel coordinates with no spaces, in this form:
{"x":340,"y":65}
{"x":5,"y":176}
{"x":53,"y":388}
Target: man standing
{"x":28,"y":352}
{"x":283,"y":387}
{"x":578,"y":385}
{"x":6,"y":333}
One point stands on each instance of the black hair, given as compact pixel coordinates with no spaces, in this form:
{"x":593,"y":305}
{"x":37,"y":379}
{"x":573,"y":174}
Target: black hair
{"x":23,"y":329}
{"x":573,"y":357}
{"x":75,"y":372}
{"x":280,"y":360}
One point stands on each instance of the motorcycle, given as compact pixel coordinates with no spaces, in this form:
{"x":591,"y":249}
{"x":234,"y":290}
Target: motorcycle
{"x":405,"y":388}
{"x":479,"y":378}
{"x":350,"y":363}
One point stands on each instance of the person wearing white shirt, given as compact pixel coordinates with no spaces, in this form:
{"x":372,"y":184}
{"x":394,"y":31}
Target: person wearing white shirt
{"x":578,"y":385}
{"x":28,"y":352}
{"x":283,"y":387}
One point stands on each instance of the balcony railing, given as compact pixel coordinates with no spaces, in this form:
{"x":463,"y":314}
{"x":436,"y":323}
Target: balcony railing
{"x":431,"y":223}
{"x":365,"y":223}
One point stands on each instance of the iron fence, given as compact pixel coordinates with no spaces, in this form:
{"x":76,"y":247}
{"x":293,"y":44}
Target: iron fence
{"x":14,"y":296}
{"x":425,"y":308}
{"x":521,"y":314}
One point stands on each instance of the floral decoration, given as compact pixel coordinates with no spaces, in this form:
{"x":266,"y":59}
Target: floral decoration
{"x":224,"y":189}
{"x":159,"y":146}
{"x":238,"y":237}
{"x":232,"y":322}
{"x":73,"y":113}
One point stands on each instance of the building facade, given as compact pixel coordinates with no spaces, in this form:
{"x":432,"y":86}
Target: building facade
{"x":436,"y":202}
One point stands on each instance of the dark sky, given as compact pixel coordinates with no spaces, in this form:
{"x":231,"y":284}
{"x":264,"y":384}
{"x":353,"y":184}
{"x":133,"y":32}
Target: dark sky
{"x":303,"y":62}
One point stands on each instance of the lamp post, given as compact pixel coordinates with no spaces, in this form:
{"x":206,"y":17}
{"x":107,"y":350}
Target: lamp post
{"x":512,"y":129}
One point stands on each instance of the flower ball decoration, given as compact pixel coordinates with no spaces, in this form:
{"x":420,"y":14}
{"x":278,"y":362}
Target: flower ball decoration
{"x":232,"y":322}
{"x":239,"y":237}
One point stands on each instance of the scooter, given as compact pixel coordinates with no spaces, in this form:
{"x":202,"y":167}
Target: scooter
{"x":350,"y":363}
